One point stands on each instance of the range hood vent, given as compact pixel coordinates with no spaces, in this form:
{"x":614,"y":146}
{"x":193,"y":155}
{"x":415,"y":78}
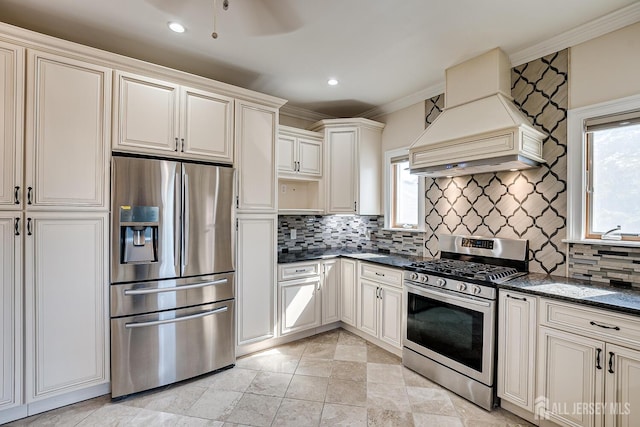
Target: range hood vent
{"x":481,"y":129}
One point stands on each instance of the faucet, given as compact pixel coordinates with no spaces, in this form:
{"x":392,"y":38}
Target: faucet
{"x":607,"y":236}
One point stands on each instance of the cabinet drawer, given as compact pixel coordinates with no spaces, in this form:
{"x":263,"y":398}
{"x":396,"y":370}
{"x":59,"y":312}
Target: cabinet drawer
{"x":298,"y":270}
{"x":384,"y":275}
{"x":612,"y":327}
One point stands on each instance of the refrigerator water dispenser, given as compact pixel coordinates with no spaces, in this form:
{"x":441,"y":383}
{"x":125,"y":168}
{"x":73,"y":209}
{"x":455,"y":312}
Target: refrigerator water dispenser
{"x":139,"y":234}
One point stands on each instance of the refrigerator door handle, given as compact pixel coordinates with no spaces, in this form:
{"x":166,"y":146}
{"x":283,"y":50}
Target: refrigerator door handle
{"x":176,"y":320}
{"x":174,"y":289}
{"x":185,"y":220}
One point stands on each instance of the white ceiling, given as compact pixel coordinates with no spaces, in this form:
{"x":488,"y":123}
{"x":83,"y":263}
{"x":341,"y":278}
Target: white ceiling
{"x":380,"y":50}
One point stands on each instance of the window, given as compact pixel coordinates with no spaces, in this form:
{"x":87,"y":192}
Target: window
{"x":603,"y":172}
{"x":403,"y":209}
{"x":612,"y":190}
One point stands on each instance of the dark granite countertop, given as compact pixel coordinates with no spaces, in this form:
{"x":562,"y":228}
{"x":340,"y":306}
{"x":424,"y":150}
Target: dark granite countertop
{"x":377,"y":257}
{"x":600,"y":295}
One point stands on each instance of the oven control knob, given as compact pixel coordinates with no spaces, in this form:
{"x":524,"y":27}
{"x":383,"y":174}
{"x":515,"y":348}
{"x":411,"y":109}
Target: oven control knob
{"x":441,"y":282}
{"x":424,"y":278}
{"x":414,"y":276}
{"x":476,"y":290}
{"x":462,"y":287}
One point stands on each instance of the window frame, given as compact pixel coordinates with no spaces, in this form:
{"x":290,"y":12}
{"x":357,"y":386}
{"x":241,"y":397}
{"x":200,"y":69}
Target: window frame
{"x":389,"y":156}
{"x":577,"y":175}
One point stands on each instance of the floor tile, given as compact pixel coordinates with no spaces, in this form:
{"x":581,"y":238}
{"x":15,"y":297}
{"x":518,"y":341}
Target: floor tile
{"x":269,"y":361}
{"x":270,"y":384}
{"x":215,"y":404}
{"x":297,"y":413}
{"x":386,"y":396}
{"x":436,"y":420}
{"x":376,"y":354}
{"x":307,"y":388}
{"x":107,"y":415}
{"x":387,"y":418}
{"x":352,"y":353}
{"x":430,"y":401}
{"x":320,"y":351}
{"x":329,"y":337}
{"x":343,"y":415}
{"x":383,"y":373}
{"x":168,"y":400}
{"x":314,"y":367}
{"x":255,"y":410}
{"x":347,"y":338}
{"x":346,"y":392}
{"x":354,"y":371}
{"x":413,"y":379}
{"x":234,"y":379}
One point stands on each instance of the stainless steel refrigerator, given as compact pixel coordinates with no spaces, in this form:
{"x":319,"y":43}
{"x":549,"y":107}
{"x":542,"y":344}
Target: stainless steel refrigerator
{"x":172,"y":272}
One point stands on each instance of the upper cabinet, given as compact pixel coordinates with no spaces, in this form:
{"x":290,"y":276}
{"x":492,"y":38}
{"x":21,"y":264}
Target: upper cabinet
{"x":159,"y":117}
{"x":256,"y":157}
{"x":11,"y":125}
{"x":299,"y":153}
{"x":353,"y":165}
{"x":67,"y":133}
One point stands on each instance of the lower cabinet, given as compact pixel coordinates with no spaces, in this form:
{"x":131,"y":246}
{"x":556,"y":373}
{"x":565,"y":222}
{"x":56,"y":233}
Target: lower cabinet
{"x":256,"y":277}
{"x":517,"y":348}
{"x":348,"y":291}
{"x":309,"y":295}
{"x":379,"y":305}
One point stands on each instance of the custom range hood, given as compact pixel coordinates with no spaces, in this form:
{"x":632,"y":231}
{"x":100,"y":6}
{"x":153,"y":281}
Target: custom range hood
{"x":481,"y":129}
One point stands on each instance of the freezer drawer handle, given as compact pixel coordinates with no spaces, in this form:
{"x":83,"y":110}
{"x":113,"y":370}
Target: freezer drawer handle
{"x":177,"y":288}
{"x":177,"y":319}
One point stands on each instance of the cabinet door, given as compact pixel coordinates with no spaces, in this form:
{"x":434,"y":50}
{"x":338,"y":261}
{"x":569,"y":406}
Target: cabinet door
{"x":255,"y":277}
{"x":622,"y":392}
{"x":342,"y":172}
{"x":67,"y":133}
{"x":66,"y":303}
{"x":348,"y":291}
{"x":368,"y":307}
{"x":206,"y":125}
{"x":10,"y":310}
{"x":310,"y":157}
{"x":255,"y":157}
{"x":287,"y":154}
{"x":390,"y":316}
{"x":516,"y":348}
{"x":11,"y":125}
{"x":299,"y":305}
{"x":570,"y":378}
{"x":330,"y":291}
{"x":147,"y":115}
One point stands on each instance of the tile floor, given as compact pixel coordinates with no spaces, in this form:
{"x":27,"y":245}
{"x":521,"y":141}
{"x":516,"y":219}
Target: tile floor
{"x":332,"y":379}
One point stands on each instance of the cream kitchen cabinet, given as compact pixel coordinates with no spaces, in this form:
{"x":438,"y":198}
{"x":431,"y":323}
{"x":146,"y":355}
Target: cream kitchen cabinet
{"x":256,"y":157}
{"x":11,"y":335}
{"x":11,"y":125}
{"x":66,"y":305}
{"x":379,"y":303}
{"x":308,"y":299}
{"x":164,"y":118}
{"x":517,"y":348}
{"x":353,"y":165}
{"x":256,"y":277}
{"x":67,"y":132}
{"x":299,"y":153}
{"x":589,"y":366}
{"x":348,"y":290}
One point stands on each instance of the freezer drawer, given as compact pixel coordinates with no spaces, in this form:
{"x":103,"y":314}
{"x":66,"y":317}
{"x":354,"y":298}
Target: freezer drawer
{"x":158,"y":295}
{"x":153,"y":350}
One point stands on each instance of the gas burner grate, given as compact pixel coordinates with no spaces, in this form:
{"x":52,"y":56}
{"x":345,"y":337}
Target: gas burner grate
{"x":467,"y":269}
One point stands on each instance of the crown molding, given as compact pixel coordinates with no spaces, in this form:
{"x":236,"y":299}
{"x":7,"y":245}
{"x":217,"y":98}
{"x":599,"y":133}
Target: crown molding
{"x":302,"y":113}
{"x":596,"y":28}
{"x":407,"y":101}
{"x":592,"y":29}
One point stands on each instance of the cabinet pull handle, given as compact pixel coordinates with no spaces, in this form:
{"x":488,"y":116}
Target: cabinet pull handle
{"x":611,"y":362}
{"x":16,"y":226}
{"x":318,"y":287}
{"x":301,"y":270}
{"x":29,"y":232}
{"x":379,"y":274}
{"x":182,"y":144}
{"x":355,"y":206}
{"x":380,"y":293}
{"x":29,"y":195}
{"x":176,"y":144}
{"x":600,"y":325}
{"x":518,"y":298}
{"x":598,"y":352}
{"x":16,"y":195}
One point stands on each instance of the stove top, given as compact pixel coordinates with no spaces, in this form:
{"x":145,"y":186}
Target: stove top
{"x":467,"y":270}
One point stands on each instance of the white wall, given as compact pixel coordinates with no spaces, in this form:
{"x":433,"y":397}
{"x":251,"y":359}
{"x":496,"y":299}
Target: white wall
{"x":402,"y":127}
{"x":605,"y":68}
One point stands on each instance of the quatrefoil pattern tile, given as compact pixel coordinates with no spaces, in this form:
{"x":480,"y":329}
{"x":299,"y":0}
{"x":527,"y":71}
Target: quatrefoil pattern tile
{"x":530,"y":204}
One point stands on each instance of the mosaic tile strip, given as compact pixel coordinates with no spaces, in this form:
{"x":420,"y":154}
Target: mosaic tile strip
{"x":604,"y":263}
{"x":400,"y":242}
{"x":528,"y":204}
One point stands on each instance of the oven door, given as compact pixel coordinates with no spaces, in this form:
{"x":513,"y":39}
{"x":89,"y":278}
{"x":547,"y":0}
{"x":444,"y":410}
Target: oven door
{"x":454,"y":330}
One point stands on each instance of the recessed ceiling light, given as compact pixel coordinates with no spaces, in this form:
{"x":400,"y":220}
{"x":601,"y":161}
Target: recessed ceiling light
{"x":332,"y":82}
{"x":176,"y":27}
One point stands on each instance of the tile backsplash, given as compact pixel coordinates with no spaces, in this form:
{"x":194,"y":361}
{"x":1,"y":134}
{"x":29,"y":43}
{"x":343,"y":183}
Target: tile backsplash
{"x":352,"y":231}
{"x":604,"y":263}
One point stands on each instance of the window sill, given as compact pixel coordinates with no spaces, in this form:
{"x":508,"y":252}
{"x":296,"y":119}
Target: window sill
{"x":626,"y":243}
{"x":406,"y":230}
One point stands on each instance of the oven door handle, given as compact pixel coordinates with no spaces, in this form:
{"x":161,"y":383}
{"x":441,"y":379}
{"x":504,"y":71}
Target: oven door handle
{"x":447,"y":295}
{"x":177,"y":319}
{"x":129,"y":292}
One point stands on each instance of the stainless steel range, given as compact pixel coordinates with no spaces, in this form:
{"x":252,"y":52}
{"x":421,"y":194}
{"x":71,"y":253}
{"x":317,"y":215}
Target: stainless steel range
{"x":451,"y":311}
